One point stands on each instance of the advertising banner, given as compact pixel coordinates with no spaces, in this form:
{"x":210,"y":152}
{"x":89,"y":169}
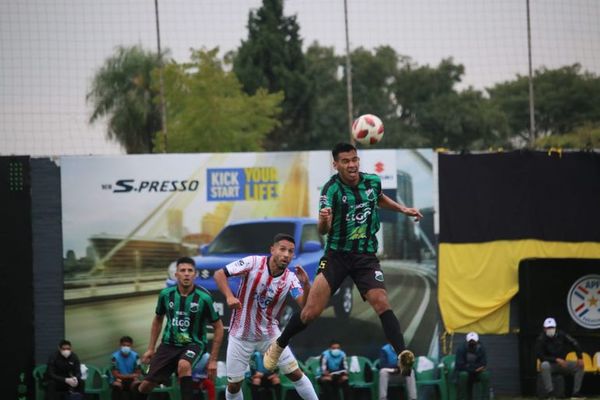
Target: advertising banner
{"x":126,"y":219}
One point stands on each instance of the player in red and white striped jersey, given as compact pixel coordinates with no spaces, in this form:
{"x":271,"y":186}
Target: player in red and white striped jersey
{"x":261,"y":296}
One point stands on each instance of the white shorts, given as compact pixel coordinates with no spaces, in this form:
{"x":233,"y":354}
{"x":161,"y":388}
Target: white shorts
{"x":239,"y":353}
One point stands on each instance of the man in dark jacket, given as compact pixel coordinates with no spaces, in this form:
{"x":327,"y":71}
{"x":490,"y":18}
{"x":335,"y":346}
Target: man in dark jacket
{"x":551,"y":349}
{"x":471,"y":367}
{"x":63,"y":373}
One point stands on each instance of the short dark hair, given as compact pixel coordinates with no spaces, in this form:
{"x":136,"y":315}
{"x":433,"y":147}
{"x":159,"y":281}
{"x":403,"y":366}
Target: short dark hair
{"x":63,"y":342}
{"x":127,"y":339}
{"x":185,"y":260}
{"x":334,"y":341}
{"x":283,"y":236}
{"x":341,"y":148}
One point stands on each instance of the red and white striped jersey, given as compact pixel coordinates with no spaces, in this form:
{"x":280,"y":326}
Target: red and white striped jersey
{"x":262,"y":296}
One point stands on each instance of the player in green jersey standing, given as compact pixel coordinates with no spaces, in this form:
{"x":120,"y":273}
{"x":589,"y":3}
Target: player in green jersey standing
{"x":189,"y":309}
{"x":348,"y":214}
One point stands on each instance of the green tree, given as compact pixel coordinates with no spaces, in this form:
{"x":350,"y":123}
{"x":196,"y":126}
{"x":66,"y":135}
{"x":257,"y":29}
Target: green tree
{"x":376,"y":76}
{"x":122,"y":92}
{"x":328,"y":122}
{"x":434,"y":113}
{"x":565,"y":98}
{"x":373,"y":76}
{"x":584,"y":137}
{"x":272,"y":58}
{"x":463,"y":120}
{"x":207,"y":110}
{"x":419,"y":105}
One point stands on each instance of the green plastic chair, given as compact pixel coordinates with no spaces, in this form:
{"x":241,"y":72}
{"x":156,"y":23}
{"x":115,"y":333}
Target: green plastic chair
{"x":312,"y":366}
{"x":429,"y":373}
{"x":96,"y":383}
{"x":38,"y":377}
{"x":357,"y":379}
{"x":449,"y":362}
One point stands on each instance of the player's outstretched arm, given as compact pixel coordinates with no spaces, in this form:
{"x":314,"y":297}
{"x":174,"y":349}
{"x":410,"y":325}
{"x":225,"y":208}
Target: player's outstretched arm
{"x":389,"y":204}
{"x":221,"y":279}
{"x":157,"y":323}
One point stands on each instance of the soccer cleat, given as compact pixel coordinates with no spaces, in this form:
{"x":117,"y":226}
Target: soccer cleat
{"x":406,"y":359}
{"x":272,"y":355}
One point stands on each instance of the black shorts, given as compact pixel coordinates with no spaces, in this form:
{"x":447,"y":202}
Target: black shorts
{"x":164,"y":362}
{"x":364,"y":269}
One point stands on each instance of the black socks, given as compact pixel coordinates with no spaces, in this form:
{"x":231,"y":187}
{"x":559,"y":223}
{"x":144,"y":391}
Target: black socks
{"x":187,"y":388}
{"x":294,"y":326}
{"x":391,"y":328}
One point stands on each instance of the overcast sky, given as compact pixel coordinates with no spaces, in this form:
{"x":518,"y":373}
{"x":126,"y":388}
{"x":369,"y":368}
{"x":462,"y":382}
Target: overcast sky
{"x":50,"y":49}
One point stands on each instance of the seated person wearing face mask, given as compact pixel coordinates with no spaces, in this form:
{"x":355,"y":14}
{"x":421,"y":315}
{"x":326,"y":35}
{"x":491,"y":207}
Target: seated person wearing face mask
{"x":334,"y":372}
{"x":63,"y":372}
{"x":471,"y":367}
{"x":551,"y":349}
{"x":125,"y":368}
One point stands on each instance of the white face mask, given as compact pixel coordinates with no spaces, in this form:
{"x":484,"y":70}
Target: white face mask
{"x":551,"y":332}
{"x":335,"y":352}
{"x":65,"y":353}
{"x":125,"y":349}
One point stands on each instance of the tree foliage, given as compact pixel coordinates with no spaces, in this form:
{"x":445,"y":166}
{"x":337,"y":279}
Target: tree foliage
{"x":122,"y":92}
{"x":565,"y":98}
{"x":584,"y":137}
{"x":207,"y":110}
{"x":272,"y":58}
{"x":328,"y":123}
{"x":277,"y":97}
{"x":419,"y":105}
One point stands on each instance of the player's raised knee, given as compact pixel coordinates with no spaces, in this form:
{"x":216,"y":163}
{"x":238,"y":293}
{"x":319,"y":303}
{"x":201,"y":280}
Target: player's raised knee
{"x":309,"y":314}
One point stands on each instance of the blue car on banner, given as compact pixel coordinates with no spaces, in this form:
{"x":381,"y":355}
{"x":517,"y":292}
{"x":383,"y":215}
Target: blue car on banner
{"x":253,"y":237}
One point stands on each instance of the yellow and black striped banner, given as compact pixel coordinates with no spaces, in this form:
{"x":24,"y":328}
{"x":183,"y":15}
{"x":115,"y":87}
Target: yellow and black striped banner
{"x":498,"y":209}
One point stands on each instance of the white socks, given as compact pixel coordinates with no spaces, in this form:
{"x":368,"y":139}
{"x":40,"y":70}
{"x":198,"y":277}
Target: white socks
{"x":234,"y":396}
{"x":305,"y":388}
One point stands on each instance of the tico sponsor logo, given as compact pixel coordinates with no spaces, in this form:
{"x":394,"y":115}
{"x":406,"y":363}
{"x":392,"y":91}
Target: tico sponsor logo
{"x":182,"y":323}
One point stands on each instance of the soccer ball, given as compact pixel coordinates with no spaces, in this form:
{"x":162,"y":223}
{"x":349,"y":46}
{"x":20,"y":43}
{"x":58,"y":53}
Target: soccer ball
{"x":367,"y":129}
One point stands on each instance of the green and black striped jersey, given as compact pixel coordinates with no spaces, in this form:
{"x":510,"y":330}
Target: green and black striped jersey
{"x":355,"y":219}
{"x":187,"y":316}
